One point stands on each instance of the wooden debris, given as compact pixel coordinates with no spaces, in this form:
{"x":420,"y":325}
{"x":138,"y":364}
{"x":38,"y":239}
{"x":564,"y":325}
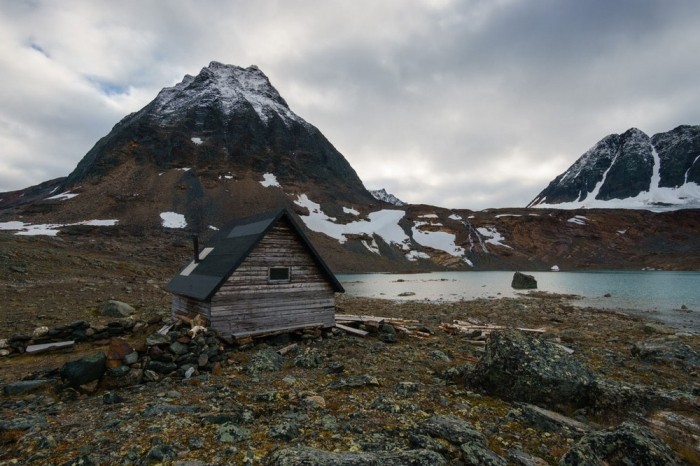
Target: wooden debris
{"x":165,"y":329}
{"x":286,"y":349}
{"x":42,"y":348}
{"x":460,"y":326}
{"x":565,"y":348}
{"x":354,"y":331}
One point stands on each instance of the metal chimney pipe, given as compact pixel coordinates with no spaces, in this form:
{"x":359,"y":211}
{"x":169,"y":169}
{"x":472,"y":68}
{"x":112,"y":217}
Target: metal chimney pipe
{"x":195,"y":245}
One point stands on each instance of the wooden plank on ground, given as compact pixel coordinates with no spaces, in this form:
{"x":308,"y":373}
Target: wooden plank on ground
{"x":351,"y":330}
{"x":44,"y":347}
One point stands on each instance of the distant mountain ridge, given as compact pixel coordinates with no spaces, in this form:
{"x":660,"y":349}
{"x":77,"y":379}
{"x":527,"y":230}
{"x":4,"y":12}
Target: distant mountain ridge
{"x":631,"y":170}
{"x":224,"y":144}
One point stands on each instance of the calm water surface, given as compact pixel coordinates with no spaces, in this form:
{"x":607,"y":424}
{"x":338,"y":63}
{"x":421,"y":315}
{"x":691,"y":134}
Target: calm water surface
{"x":653,"y":294}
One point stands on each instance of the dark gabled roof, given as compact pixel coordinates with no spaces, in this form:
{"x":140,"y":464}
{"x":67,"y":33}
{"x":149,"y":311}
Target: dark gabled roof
{"x":228,"y":250}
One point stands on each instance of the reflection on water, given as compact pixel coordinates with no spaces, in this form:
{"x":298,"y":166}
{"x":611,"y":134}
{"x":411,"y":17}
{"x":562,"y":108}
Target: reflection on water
{"x":654,"y":294}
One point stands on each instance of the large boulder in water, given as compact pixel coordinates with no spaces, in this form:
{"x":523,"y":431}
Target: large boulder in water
{"x":519,"y":367}
{"x":621,"y":446}
{"x":522,"y":281}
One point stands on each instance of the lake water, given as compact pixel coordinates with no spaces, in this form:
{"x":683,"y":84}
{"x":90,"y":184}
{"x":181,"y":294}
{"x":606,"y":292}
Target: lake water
{"x":653,"y":294}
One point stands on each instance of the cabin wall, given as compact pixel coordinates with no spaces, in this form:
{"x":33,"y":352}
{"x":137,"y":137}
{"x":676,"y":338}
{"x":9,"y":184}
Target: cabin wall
{"x":248,"y":303}
{"x":188,"y":307}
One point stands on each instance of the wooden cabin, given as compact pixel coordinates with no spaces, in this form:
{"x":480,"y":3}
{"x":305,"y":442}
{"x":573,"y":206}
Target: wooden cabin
{"x":260,"y":275}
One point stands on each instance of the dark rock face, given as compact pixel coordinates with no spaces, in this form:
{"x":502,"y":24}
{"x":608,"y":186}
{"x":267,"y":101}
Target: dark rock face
{"x":523,"y":281}
{"x":622,"y":166}
{"x":520,"y":367}
{"x":627,"y":444}
{"x":227,"y":117}
{"x":678,"y":150}
{"x":304,"y":455}
{"x":84,"y":370}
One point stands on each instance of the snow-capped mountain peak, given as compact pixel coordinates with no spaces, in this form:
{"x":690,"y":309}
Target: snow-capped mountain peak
{"x":228,"y":87}
{"x":382,"y":195}
{"x":632,"y":170}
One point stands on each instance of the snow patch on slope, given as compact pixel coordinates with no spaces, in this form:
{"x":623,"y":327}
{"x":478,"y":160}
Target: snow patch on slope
{"x":656,"y":199}
{"x":27,"y":229}
{"x":384,"y":223}
{"x":439,"y":240}
{"x":173,"y":220}
{"x":270,"y":180}
{"x":493,"y":236}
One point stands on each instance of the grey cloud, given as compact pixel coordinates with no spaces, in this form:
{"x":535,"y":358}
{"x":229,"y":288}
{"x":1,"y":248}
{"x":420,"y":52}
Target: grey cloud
{"x":474,"y":102}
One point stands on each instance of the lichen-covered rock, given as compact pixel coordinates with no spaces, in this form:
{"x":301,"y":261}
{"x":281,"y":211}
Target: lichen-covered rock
{"x":266,"y":360}
{"x":311,"y":456}
{"x":84,"y":370}
{"x":113,"y":308}
{"x":472,"y":443}
{"x":668,"y":350}
{"x":453,"y":429}
{"x":520,"y":367}
{"x":523,"y":281}
{"x":624,"y":445}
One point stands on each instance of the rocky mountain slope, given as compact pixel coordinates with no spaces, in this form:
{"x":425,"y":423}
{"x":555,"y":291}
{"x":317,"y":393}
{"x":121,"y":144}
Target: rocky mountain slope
{"x":224,"y":144}
{"x":632,"y":170}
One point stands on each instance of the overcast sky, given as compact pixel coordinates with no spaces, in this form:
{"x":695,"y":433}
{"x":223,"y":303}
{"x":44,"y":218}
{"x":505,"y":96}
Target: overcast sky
{"x":461,"y":104}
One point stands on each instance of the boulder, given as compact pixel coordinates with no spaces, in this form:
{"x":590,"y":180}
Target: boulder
{"x":668,"y":350}
{"x":26,"y":386}
{"x":84,"y":370}
{"x":266,"y":360}
{"x":458,"y":432}
{"x":623,"y":445}
{"x":113,"y":308}
{"x":522,"y":281}
{"x":520,"y":367}
{"x":305,"y":455}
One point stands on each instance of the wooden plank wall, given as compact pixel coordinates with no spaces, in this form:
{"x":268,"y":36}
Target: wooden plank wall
{"x":184,"y":306}
{"x":247,"y":303}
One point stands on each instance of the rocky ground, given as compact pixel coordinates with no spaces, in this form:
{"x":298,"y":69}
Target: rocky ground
{"x":436,"y":395}
{"x":393,"y":398}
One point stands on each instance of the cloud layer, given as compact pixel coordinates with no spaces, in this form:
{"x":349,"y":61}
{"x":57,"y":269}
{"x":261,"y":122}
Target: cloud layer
{"x":464,"y":104}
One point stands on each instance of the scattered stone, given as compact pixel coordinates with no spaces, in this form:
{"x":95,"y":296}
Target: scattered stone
{"x":314,"y":402}
{"x":549,"y":420}
{"x":453,"y":429}
{"x":354,"y":382}
{"x":523,"y":281}
{"x":439,"y":356}
{"x":157,"y":339}
{"x":669,"y":350}
{"x":521,"y":367}
{"x":113,"y":308}
{"x":406,"y":388}
{"x":309,"y":358}
{"x":111,"y":398}
{"x":40,"y":332}
{"x":623,"y":445}
{"x":335,"y":367}
{"x":266,"y":360}
{"x":26,"y":386}
{"x":232,"y":433}
{"x":305,"y":455}
{"x":654,"y":328}
{"x":286,"y":430}
{"x":84,"y":370}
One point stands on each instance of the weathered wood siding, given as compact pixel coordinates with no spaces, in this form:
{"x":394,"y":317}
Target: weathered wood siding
{"x":248,"y":303}
{"x":184,"y":306}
